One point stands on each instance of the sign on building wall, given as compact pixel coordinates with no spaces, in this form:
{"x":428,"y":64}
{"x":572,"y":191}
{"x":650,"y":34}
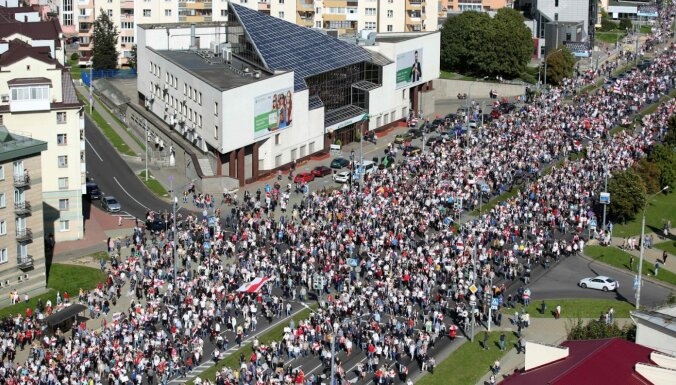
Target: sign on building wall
{"x":409,"y":68}
{"x":273,"y":112}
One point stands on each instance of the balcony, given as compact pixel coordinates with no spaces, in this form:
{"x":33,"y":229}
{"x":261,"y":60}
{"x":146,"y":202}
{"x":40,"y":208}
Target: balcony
{"x":22,"y":208}
{"x":262,"y":6}
{"x":414,"y":5}
{"x":85,"y":18}
{"x":22,"y":181}
{"x":24,"y":262}
{"x":127,"y":16}
{"x":127,"y":4}
{"x":304,"y":5}
{"x":24,"y":235}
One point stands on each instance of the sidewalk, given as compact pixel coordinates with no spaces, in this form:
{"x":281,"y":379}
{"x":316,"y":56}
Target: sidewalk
{"x":650,"y":255}
{"x":541,"y":330}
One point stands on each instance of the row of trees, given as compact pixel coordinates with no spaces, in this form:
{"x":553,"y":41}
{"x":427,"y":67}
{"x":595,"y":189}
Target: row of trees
{"x":628,"y":188}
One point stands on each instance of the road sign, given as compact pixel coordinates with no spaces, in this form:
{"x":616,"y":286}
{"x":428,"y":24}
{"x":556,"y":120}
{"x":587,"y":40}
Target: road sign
{"x":635,"y":282}
{"x":494,"y":304}
{"x":592,"y":224}
{"x":604,"y":198}
{"x":472,"y":303}
{"x":473,"y":289}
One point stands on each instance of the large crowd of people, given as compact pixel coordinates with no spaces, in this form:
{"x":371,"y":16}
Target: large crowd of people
{"x":387,"y":263}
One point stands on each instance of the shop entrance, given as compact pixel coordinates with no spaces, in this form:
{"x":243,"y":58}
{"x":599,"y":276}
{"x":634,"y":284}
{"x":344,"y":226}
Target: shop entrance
{"x":345,"y":135}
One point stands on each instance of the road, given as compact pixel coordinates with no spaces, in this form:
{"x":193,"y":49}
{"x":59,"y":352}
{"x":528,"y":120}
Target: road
{"x":561,"y":282}
{"x":114,"y":177}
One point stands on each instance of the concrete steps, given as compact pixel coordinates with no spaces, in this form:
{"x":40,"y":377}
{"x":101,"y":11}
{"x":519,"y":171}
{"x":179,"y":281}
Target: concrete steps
{"x":205,"y":165}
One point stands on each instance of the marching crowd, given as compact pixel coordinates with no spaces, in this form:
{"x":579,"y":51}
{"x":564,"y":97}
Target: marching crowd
{"x":389,"y":267}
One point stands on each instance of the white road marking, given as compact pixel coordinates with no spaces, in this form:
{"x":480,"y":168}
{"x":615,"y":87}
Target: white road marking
{"x":93,"y":149}
{"x":130,"y":196}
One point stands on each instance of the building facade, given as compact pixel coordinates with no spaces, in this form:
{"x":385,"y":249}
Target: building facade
{"x":235,"y":91}
{"x":458,"y":6}
{"x":38,"y":95}
{"x":22,"y":254}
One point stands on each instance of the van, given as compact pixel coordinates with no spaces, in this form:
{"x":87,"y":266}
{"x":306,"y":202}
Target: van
{"x":369,"y":166}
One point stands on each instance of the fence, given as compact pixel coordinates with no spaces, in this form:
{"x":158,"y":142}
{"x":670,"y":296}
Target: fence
{"x":108,"y":74}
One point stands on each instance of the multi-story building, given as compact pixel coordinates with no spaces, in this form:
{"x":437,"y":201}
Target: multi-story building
{"x":38,"y":95}
{"x":22,"y":254}
{"x":345,"y":16}
{"x":25,"y":24}
{"x":556,"y":17}
{"x":458,"y":6}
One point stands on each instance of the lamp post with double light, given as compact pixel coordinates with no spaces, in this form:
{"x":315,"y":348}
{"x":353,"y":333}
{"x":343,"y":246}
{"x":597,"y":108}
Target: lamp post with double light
{"x":642,"y":243}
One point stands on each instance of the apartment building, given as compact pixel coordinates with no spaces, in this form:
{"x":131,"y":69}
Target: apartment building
{"x":25,"y":24}
{"x":38,"y":95}
{"x":22,"y":254}
{"x":459,"y":6}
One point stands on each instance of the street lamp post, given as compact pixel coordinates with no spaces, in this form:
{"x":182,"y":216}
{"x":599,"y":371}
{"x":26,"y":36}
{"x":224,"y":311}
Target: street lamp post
{"x":91,"y":87}
{"x":145,"y":125}
{"x":472,"y":297}
{"x":605,"y":189}
{"x":642,"y":243}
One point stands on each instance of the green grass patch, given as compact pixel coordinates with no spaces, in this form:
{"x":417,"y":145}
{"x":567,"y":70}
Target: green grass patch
{"x":573,"y":308}
{"x":107,"y":130}
{"x":470,"y":362}
{"x":232,"y":360}
{"x":610,"y":37}
{"x":100,"y":255}
{"x":75,"y":70}
{"x":153,"y":184}
{"x":668,"y":246}
{"x":613,"y":256}
{"x":62,"y":278}
{"x":660,"y":209}
{"x":454,"y":76}
{"x":646,"y":29}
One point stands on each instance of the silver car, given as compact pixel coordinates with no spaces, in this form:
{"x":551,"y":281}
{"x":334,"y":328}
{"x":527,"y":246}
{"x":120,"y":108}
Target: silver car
{"x":110,"y":204}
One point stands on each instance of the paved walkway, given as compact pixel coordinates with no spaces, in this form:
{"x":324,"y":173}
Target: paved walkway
{"x":542,"y":330}
{"x":650,"y":255}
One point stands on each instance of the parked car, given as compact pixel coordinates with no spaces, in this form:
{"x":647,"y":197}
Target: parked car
{"x":339,"y":163}
{"x":110,"y":204}
{"x":434,"y":140}
{"x":321,"y":171}
{"x":411,"y":150}
{"x":403,"y":138}
{"x":156,"y":225}
{"x":342,"y":177}
{"x":93,"y":191}
{"x":416,"y":133}
{"x":599,"y":283}
{"x":304,"y":177}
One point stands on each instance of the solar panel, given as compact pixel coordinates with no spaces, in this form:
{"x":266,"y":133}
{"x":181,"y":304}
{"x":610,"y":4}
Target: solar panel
{"x":286,"y":46}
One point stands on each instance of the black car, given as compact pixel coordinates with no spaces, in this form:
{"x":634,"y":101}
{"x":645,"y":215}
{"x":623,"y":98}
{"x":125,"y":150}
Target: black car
{"x":339,"y":163}
{"x":434,"y":140}
{"x":438,"y":122}
{"x":157,"y":225}
{"x":416,"y":133}
{"x":93,"y":191}
{"x":411,"y":150}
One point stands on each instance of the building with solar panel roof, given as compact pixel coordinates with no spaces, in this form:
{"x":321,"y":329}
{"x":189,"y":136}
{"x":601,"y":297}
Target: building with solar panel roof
{"x":262,"y":93}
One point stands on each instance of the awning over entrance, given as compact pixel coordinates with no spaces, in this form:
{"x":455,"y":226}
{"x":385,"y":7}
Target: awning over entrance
{"x":65,"y":314}
{"x":342,"y":117}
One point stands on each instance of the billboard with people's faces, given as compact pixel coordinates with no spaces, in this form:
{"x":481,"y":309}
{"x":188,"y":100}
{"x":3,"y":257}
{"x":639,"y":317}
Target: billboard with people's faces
{"x":409,"y":68}
{"x":272,"y":112}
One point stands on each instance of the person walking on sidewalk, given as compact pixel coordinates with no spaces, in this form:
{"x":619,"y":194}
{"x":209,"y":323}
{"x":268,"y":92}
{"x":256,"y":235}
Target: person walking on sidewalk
{"x":657,"y":267}
{"x":557,"y":315}
{"x":502,"y":341}
{"x":485,"y":343}
{"x":664,"y":257}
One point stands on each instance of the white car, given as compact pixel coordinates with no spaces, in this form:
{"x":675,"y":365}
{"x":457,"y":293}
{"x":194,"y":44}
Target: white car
{"x":599,"y":283}
{"x":342,"y":177}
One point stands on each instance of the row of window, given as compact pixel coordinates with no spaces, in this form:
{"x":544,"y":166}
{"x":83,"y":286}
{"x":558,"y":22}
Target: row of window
{"x":21,"y":251}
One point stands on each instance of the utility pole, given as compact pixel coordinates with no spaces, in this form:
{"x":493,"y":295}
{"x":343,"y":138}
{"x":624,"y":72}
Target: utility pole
{"x":145,"y":125}
{"x":472,"y":298}
{"x":642,"y":243}
{"x":91,"y":87}
{"x":490,"y":304}
{"x":605,"y":190}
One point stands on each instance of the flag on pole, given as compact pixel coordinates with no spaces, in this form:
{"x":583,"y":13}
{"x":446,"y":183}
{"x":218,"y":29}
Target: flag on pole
{"x":253,"y":286}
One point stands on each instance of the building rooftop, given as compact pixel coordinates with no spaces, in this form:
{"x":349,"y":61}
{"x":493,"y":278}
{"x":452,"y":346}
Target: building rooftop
{"x":665,"y":317}
{"x":288,"y":47}
{"x":398,"y":37}
{"x":220,"y":75}
{"x":37,"y":30}
{"x":13,"y":146}
{"x":603,"y":361}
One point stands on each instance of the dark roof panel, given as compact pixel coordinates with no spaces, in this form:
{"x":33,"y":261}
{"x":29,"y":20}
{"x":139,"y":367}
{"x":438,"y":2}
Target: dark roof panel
{"x":18,"y":50}
{"x":289,"y":47}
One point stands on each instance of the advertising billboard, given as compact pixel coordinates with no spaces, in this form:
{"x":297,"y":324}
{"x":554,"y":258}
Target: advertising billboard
{"x":409,"y":68}
{"x":273,"y":112}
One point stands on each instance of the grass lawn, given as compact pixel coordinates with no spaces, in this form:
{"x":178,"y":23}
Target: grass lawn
{"x":232,"y":360}
{"x":619,"y":258}
{"x":660,"y":208}
{"x":454,"y":76}
{"x":469,"y":363}
{"x":107,"y":130}
{"x":75,"y":70}
{"x":668,"y":246}
{"x":61,"y":278}
{"x":152,"y":184}
{"x":646,"y":29}
{"x":573,"y":308}
{"x":610,"y":37}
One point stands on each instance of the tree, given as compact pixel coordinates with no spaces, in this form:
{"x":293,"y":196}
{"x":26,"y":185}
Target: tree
{"x":597,"y":329}
{"x":105,"y":41}
{"x":560,"y":65}
{"x":650,"y":175}
{"x":670,"y":137}
{"x":606,"y":23}
{"x":132,"y":58}
{"x":625,"y":24}
{"x":665,"y":159}
{"x":474,"y":43}
{"x":627,"y":193}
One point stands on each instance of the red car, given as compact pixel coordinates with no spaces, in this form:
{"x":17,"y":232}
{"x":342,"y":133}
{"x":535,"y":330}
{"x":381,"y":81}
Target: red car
{"x":304,"y":177}
{"x":321,"y":171}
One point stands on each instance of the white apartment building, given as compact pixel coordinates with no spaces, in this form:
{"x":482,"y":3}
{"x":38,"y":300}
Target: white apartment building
{"x":345,"y":16}
{"x":37,"y":96}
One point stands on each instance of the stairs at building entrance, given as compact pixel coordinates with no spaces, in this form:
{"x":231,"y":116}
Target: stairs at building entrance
{"x":205,"y":165}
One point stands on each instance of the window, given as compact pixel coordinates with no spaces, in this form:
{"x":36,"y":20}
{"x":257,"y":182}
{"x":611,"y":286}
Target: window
{"x":21,"y":250}
{"x":30,"y":93}
{"x":63,"y":204}
{"x":167,"y":12}
{"x":390,"y":13}
{"x":389,"y":28}
{"x":3,"y":227}
{"x":60,"y":118}
{"x":64,"y":225}
{"x":18,"y":168}
{"x":215,"y":108}
{"x":110,"y":12}
{"x":216,"y":132}
{"x":127,"y":25}
{"x":3,"y":255}
{"x":127,"y":39}
{"x":370,"y":11}
{"x":199,"y":98}
{"x":63,"y":161}
{"x":281,"y":15}
{"x":277,"y":139}
{"x":370,"y":25}
{"x":146,"y":13}
{"x":63,"y":183}
{"x":556,"y":3}
{"x":199,"y":120}
{"x":281,"y":1}
{"x":3,"y":200}
{"x":2,"y":172}
{"x":556,"y":17}
{"x":224,"y":12}
{"x":318,"y":24}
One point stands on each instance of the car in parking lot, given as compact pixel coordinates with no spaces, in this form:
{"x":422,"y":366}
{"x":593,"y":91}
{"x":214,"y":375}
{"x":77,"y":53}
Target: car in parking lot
{"x":403,"y":138}
{"x":93,"y":191}
{"x":411,"y":150}
{"x":321,"y":171}
{"x":304,"y":177}
{"x":342,"y":177}
{"x":600,"y":282}
{"x":339,"y":163}
{"x":110,"y":204}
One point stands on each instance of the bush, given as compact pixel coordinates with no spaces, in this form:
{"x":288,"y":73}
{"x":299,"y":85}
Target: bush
{"x":607,"y":25}
{"x":625,"y":24}
{"x":528,"y":76}
{"x":74,"y":56}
